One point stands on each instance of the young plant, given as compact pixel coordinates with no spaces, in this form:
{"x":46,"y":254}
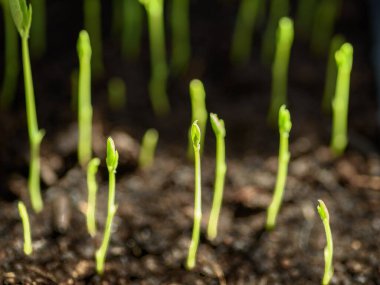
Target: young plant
{"x":323,"y":25}
{"x":198,"y":112}
{"x":9,"y":86}
{"x":180,"y":35}
{"x":148,"y":147}
{"x":278,"y":9}
{"x":132,"y":28}
{"x":331,"y":73}
{"x":243,"y":33}
{"x":285,"y":35}
{"x":22,"y":17}
{"x":28,"y":248}
{"x":112,"y":161}
{"x":344,"y":60}
{"x":220,"y":173}
{"x":284,"y":126}
{"x":92,"y":187}
{"x":192,"y":254}
{"x":38,"y":29}
{"x":329,"y":249}
{"x":304,"y":17}
{"x":116,"y":93}
{"x":93,"y":24}
{"x":84,"y":99}
{"x":159,"y":69}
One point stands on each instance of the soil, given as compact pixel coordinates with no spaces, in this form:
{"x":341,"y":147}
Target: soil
{"x":152,"y":227}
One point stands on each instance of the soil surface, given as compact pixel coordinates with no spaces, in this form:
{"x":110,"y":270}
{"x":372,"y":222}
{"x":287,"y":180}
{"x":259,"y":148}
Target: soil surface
{"x":153,"y":224}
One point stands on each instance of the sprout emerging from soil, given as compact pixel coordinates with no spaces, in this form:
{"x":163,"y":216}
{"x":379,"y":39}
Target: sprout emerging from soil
{"x":284,"y":126}
{"x":192,"y":254}
{"x":344,"y":60}
{"x":220,"y":173}
{"x":278,"y":9}
{"x":8,"y":89}
{"x":22,"y":17}
{"x":92,"y":188}
{"x":328,"y":251}
{"x":285,"y":36}
{"x":116,"y":93}
{"x":331,"y":73}
{"x":93,"y":24}
{"x":84,"y":99}
{"x":243,"y":33}
{"x":159,"y":69}
{"x":304,"y":17}
{"x":148,"y":148}
{"x":198,"y":112}
{"x":323,"y":25}
{"x":28,"y":249}
{"x":112,"y":161}
{"x":131,"y":28}
{"x":38,"y":29}
{"x":180,"y":35}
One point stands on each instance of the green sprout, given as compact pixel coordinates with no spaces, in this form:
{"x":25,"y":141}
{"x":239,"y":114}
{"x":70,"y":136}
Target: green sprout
{"x":93,"y":24}
{"x":158,"y":81}
{"x":304,"y":17}
{"x":22,"y":17}
{"x":116,"y":93}
{"x":278,"y":9}
{"x":243,"y":33}
{"x":220,"y":173}
{"x":329,"y":250}
{"x":28,"y":248}
{"x":9,"y":86}
{"x":323,"y":25}
{"x":331,"y":73}
{"x":284,"y":126}
{"x":148,"y":147}
{"x":112,"y":161}
{"x":38,"y":29}
{"x":92,"y":187}
{"x":285,"y":35}
{"x":181,"y":48}
{"x":344,"y":60}
{"x":198,"y":112}
{"x":132,"y":28}
{"x":84,"y":99}
{"x":192,"y":254}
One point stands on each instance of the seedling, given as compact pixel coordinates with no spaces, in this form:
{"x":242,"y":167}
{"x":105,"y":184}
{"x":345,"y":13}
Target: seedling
{"x":112,"y":161}
{"x":132,"y":28}
{"x":84,"y":99}
{"x":92,"y":188}
{"x":28,"y":248}
{"x":323,"y":25}
{"x":8,"y":89}
{"x":198,"y":112}
{"x":93,"y":24}
{"x":192,"y":254}
{"x":304,"y":17}
{"x":243,"y":33}
{"x":284,"y":126}
{"x":220,"y":173}
{"x":38,"y":29}
{"x":180,"y":35}
{"x":157,"y":84}
{"x":329,"y":249}
{"x":344,"y":60}
{"x":278,"y":9}
{"x":22,"y":17}
{"x":148,"y":147}
{"x":331,"y":74}
{"x":116,"y":93}
{"x":285,"y":35}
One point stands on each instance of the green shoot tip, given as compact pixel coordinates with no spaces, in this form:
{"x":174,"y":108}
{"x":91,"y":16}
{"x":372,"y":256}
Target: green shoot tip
{"x":284,"y":121}
{"x":84,"y":45}
{"x":22,"y":16}
{"x":196,"y":135}
{"x":112,"y":155}
{"x":344,"y":55}
{"x":322,"y":210}
{"x":217,"y":125}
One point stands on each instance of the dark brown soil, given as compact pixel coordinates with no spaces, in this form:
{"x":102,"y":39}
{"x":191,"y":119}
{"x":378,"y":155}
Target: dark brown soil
{"x":152,"y":227}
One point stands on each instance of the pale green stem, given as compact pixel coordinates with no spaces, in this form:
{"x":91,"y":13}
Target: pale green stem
{"x":28,"y":248}
{"x":328,"y":253}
